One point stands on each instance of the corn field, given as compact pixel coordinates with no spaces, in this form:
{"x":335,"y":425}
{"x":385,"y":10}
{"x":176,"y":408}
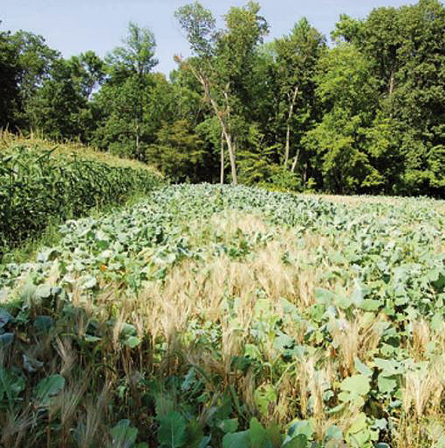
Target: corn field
{"x":37,"y":188}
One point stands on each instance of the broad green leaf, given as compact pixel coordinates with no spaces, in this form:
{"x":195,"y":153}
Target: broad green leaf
{"x":262,"y":308}
{"x":299,"y":441}
{"x":172,"y":430}
{"x":132,"y":341}
{"x":282,"y":342}
{"x":274,"y":434}
{"x":437,"y":322}
{"x":343,"y":302}
{"x":11,"y":384}
{"x":323,"y":296}
{"x":359,"y":434}
{"x":389,"y":367}
{"x":371,"y":304}
{"x":43,"y":323}
{"x":298,"y":427}
{"x":89,"y":282}
{"x":47,"y":388}
{"x":359,"y":424}
{"x":123,"y":435}
{"x":128,"y":330}
{"x":362,"y":368}
{"x":237,"y":440}
{"x":258,"y":435}
{"x":334,"y":433}
{"x":264,"y":396}
{"x":43,"y":292}
{"x":6,"y":340}
{"x":356,"y":384}
{"x":205,"y":442}
{"x":5,"y":318}
{"x":189,"y":380}
{"x":386,"y":384}
{"x":228,"y":425}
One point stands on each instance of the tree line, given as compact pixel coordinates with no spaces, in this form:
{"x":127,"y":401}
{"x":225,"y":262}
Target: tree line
{"x":365,"y":114}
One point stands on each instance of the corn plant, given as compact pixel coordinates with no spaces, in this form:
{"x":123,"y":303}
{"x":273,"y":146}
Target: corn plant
{"x":37,"y":188}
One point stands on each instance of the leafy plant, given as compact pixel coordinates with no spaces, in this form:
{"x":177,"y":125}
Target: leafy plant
{"x":37,"y":188}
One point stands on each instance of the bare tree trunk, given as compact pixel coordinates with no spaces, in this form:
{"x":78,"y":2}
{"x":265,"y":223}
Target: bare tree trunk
{"x":138,"y":143}
{"x":231,"y":150}
{"x":140,"y":118}
{"x":289,"y":118}
{"x":226,"y":133}
{"x":295,"y":162}
{"x":392,"y":83}
{"x":222,"y":159}
{"x":220,"y":115}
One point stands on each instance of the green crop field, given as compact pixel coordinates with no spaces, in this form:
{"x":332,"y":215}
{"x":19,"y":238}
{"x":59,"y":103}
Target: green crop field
{"x":42,"y":184}
{"x":209,"y":316}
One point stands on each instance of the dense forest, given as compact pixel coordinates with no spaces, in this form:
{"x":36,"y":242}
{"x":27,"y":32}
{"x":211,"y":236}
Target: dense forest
{"x":363,"y":114}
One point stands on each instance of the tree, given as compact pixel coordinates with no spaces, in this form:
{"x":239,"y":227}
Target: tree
{"x":223,"y":63}
{"x":88,"y":71}
{"x":10,"y":72}
{"x":59,"y":108}
{"x":178,"y":152}
{"x":347,"y":91}
{"x":136,"y":56}
{"x":406,"y":48}
{"x":418,"y":103}
{"x":297,"y":55}
{"x":36,"y":61}
{"x":124,"y":97}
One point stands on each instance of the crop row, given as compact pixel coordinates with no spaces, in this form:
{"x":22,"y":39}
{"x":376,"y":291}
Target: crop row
{"x":37,"y":188}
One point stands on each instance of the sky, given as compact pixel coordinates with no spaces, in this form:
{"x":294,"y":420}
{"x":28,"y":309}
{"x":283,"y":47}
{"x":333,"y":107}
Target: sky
{"x":75,"y":26}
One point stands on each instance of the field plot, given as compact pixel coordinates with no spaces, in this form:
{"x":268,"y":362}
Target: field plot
{"x":42,"y":184}
{"x":208,"y":316}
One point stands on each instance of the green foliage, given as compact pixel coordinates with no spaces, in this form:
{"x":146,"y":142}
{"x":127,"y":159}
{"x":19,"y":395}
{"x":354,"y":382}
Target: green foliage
{"x":37,"y":188}
{"x":121,"y":129}
{"x":172,"y":430}
{"x":381,"y":272}
{"x":123,"y":104}
{"x":296,"y":58}
{"x":36,"y":61}
{"x":225,"y":65}
{"x":9,"y":74}
{"x":11,"y":386}
{"x":58,"y":108}
{"x":123,"y":435}
{"x":47,"y":388}
{"x":401,"y":47}
{"x":363,"y":116}
{"x":345,"y":86}
{"x":199,"y":25}
{"x":137,"y":54}
{"x":178,"y":152}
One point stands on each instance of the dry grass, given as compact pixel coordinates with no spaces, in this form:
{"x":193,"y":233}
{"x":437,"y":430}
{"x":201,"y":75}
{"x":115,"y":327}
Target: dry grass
{"x":233,"y":296}
{"x":356,"y":338}
{"x":199,"y":292}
